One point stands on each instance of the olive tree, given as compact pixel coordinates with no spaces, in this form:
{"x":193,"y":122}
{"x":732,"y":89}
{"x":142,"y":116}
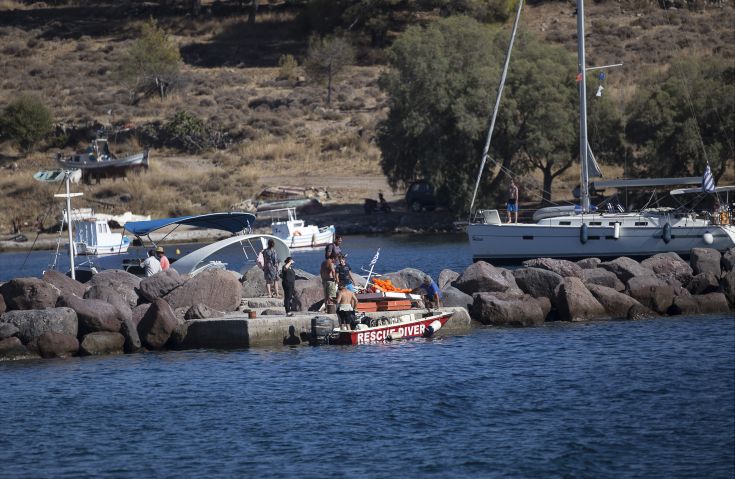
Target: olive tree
{"x":152,"y":65}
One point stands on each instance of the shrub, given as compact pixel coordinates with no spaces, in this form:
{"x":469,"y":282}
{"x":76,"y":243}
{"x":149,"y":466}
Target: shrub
{"x":27,"y":120}
{"x":192,"y":134}
{"x":287,"y":68}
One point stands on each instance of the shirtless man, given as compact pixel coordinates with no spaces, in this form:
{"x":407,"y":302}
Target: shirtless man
{"x":346,"y":306}
{"x":328,"y":274}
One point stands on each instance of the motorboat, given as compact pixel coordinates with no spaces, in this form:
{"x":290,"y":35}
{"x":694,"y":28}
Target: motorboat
{"x":93,"y":236}
{"x":581,"y":231}
{"x":296,"y":234}
{"x":97,"y":160}
{"x":415,"y":324}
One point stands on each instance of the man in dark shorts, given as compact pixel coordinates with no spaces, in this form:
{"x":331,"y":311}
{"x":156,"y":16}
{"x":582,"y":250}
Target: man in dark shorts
{"x":346,"y":307}
{"x":430,"y":292}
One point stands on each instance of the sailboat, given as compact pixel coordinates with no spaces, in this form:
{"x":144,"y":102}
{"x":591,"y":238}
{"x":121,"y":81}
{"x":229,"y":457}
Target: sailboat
{"x":582,"y":232}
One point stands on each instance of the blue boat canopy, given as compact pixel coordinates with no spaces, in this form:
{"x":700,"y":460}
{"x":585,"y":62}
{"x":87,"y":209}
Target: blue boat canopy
{"x":232,"y":222}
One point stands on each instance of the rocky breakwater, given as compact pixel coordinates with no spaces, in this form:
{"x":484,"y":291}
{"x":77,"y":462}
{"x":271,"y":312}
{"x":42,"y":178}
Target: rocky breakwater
{"x":559,"y":290}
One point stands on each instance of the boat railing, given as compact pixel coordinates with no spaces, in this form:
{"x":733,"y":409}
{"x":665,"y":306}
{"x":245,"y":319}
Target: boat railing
{"x":488,"y":217}
{"x":282,"y":214}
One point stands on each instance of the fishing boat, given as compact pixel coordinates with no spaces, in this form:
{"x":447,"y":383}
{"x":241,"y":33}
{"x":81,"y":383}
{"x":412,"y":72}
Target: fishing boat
{"x":92,"y":236}
{"x":585,"y":231}
{"x":413,"y":325}
{"x":97,"y":160}
{"x":296,"y":234}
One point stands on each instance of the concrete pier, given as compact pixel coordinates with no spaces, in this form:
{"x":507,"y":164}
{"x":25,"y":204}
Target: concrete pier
{"x":236,"y":330}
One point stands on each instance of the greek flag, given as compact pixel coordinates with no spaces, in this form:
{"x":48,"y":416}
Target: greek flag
{"x":375,"y":258}
{"x":708,"y":182}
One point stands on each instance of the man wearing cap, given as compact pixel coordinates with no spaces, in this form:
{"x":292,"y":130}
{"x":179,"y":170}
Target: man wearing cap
{"x":165,"y":264}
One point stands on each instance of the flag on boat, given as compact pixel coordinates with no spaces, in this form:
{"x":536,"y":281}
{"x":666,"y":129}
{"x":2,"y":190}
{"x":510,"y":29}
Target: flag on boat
{"x":375,"y":258}
{"x":708,"y":182}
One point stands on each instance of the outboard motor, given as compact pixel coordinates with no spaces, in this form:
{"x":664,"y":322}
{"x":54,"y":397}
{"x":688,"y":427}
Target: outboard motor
{"x":322,"y":328}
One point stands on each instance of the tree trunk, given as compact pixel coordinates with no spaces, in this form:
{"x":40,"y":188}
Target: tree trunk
{"x":253,"y":12}
{"x":548,"y":177}
{"x":329,"y":85}
{"x":196,"y":7}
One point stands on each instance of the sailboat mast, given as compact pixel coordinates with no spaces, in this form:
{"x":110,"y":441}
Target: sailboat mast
{"x":582,"y":77}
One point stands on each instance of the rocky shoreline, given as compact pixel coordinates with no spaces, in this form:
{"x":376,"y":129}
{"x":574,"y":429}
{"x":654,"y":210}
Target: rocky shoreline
{"x":117,"y":312}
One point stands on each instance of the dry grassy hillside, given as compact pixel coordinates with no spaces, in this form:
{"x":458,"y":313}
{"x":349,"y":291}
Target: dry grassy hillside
{"x":67,"y":55}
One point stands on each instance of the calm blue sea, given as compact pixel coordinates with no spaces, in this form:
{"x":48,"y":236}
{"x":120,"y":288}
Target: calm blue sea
{"x":643,"y":399}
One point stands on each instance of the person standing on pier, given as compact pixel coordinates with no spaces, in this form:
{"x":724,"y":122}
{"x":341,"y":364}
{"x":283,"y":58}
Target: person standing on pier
{"x":288,"y":281}
{"x":346,"y":306}
{"x":270,"y":268}
{"x":512,"y":205}
{"x":333,"y":248}
{"x":328,"y":274}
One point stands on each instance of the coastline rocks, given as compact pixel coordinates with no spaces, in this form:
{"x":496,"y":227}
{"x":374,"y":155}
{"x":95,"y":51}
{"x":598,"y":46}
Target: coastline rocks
{"x":407,"y":278}
{"x":651,"y":292}
{"x":160,"y":284}
{"x":616,"y":304}
{"x":64,"y":283}
{"x":102,"y":342}
{"x":537,"y":282}
{"x":703,"y":283}
{"x":157,"y":325}
{"x":638,"y":311}
{"x":253,"y":283}
{"x":574,"y":302}
{"x":57,"y":345}
{"x":589,"y":263}
{"x":112,"y":297}
{"x":129,"y":331}
{"x":12,"y":348}
{"x":29,"y":293}
{"x":602,"y":277}
{"x":202,"y":311}
{"x":218,"y":289}
{"x":728,"y":287}
{"x":704,"y":304}
{"x":704,"y":260}
{"x":33,"y":323}
{"x":3,"y":306}
{"x":139,"y":311}
{"x":452,"y":297}
{"x":94,"y":315}
{"x":561,"y":267}
{"x":446,"y":277}
{"x":119,"y":280}
{"x":625,"y":268}
{"x":482,"y":277}
{"x":309,"y":294}
{"x":7,"y":330}
{"x":727,"y":263}
{"x":523,"y":311}
{"x":669,"y":265}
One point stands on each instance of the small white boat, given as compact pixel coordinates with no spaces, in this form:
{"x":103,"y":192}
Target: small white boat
{"x":296,"y":234}
{"x":93,"y":237}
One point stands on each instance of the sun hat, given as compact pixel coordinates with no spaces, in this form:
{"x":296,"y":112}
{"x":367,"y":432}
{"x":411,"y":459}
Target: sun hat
{"x":159,"y":249}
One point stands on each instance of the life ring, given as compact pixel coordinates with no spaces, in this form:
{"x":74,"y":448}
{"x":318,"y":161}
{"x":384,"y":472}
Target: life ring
{"x":297,"y":233}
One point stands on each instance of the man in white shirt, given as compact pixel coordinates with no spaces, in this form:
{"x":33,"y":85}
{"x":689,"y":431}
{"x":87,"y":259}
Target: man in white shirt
{"x":151,"y":264}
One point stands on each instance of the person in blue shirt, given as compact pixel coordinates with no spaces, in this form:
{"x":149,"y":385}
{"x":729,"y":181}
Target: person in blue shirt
{"x":343,"y":274}
{"x":430,"y":292}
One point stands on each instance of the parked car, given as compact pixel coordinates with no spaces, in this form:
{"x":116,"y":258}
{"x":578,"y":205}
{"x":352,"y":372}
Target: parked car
{"x":420,"y":196}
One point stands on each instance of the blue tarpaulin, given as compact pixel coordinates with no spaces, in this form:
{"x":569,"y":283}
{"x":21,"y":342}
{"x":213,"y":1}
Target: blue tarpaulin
{"x":232,"y":222}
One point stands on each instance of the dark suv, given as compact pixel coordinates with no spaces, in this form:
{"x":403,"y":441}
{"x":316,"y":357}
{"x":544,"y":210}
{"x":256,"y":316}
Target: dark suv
{"x":420,"y":195}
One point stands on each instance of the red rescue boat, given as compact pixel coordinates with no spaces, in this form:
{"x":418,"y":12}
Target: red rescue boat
{"x":398,"y":328}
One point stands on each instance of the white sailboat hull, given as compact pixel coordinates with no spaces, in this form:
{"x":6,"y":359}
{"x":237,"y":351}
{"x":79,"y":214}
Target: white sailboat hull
{"x":516,"y":242}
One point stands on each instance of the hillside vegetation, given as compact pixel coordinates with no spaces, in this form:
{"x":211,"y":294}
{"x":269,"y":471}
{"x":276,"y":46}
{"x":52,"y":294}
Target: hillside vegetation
{"x":271,"y":118}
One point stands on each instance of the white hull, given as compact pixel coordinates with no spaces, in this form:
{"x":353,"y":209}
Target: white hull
{"x":85,"y":163}
{"x":311,"y":239}
{"x":296,"y":234}
{"x":83,"y":249}
{"x":515,"y":242}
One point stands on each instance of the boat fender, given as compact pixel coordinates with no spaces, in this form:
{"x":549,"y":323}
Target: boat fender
{"x":616,"y":230}
{"x":583,"y":233}
{"x":708,"y":238}
{"x":432,"y":328}
{"x":667,"y":233}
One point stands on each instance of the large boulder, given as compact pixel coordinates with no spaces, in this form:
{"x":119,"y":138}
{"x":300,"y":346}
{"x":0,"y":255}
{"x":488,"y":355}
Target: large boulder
{"x":446,"y":277}
{"x":129,"y":330}
{"x":218,"y":289}
{"x":94,"y":315}
{"x":8,"y":330}
{"x":602,"y":277}
{"x":119,"y":280}
{"x":110,"y":296}
{"x":64,"y":283}
{"x":202,"y":311}
{"x":574,"y":302}
{"x":727,"y":284}
{"x":589,"y":263}
{"x":651,"y":292}
{"x":488,"y":308}
{"x":616,"y":304}
{"x":160,"y":284}
{"x":561,"y":267}
{"x":452,"y":297}
{"x":669,"y":265}
{"x":57,"y":345}
{"x":699,"y":304}
{"x":139,"y":311}
{"x":156,"y":326}
{"x":483,"y":277}
{"x":703,"y":283}
{"x":537,"y":282}
{"x":407,"y":278}
{"x":705,"y":260}
{"x":309,"y":294}
{"x":625,"y":268}
{"x":727,"y":263}
{"x":253,"y":283}
{"x":3,"y":306}
{"x":12,"y":348}
{"x":33,"y":323}
{"x":29,"y":293}
{"x":99,"y":343}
